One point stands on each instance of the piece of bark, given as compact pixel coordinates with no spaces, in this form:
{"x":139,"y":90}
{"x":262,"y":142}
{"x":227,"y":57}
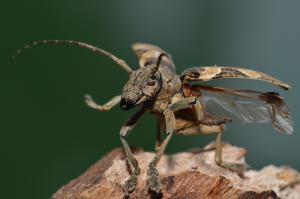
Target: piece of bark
{"x":186,"y":175}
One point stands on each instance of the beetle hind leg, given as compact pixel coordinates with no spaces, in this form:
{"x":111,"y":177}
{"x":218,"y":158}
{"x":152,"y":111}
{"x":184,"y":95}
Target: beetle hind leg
{"x":236,"y":167}
{"x":210,"y":126}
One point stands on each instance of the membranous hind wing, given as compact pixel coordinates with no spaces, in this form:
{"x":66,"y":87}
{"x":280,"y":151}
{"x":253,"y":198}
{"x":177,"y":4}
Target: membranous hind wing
{"x":220,"y":72}
{"x":246,"y":105}
{"x":148,"y":54}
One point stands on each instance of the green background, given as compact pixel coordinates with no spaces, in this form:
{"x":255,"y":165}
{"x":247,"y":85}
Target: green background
{"x":49,"y":136}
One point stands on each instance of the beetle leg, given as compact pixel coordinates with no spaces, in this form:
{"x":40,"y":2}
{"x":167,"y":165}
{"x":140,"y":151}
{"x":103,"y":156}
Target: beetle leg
{"x":158,"y":135}
{"x":192,"y":101}
{"x":130,"y":184}
{"x":106,"y":107}
{"x":211,"y":121}
{"x":183,"y":103}
{"x":202,"y":117}
{"x":153,"y":175}
{"x":199,"y":109}
{"x":239,"y":168}
{"x":210,"y":129}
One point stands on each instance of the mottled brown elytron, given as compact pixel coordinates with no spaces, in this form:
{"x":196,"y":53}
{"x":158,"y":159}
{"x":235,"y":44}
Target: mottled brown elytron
{"x":184,"y":108}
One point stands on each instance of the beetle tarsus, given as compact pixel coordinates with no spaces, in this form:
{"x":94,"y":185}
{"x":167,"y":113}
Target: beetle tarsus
{"x":154,"y":182}
{"x":130,"y":185}
{"x":235,"y":167}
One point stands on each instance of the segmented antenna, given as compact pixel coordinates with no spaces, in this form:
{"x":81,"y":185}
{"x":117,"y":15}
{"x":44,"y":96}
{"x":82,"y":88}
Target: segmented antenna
{"x":94,"y":49}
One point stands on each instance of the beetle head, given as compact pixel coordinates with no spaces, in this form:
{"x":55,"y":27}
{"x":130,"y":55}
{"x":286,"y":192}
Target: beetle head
{"x":143,"y":85}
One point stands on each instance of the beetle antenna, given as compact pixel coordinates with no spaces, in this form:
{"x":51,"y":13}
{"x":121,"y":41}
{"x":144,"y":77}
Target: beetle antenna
{"x":159,"y":59}
{"x":161,"y":55}
{"x":94,"y":49}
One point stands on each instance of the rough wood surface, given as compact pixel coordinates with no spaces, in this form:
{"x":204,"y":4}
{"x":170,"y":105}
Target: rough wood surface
{"x":187,"y":175}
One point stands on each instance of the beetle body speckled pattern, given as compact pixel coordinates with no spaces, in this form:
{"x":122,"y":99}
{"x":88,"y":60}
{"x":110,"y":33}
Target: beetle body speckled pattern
{"x":183,"y":108}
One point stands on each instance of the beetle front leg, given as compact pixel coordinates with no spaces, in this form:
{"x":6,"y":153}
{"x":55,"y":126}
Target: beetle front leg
{"x":106,"y":107}
{"x":130,"y":184}
{"x":158,"y":141}
{"x":153,"y":175}
{"x":236,"y":167}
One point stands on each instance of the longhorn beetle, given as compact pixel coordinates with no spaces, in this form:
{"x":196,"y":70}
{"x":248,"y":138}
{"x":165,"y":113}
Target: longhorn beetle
{"x":183,"y":108}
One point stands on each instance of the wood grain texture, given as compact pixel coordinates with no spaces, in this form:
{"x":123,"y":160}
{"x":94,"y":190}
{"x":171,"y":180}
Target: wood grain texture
{"x":187,"y":175}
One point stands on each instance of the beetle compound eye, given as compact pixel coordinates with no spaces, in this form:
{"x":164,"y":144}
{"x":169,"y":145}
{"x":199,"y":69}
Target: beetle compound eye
{"x":195,"y":74}
{"x":150,"y":83}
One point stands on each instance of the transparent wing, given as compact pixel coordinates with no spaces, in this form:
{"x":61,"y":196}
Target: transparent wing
{"x":248,"y":111}
{"x":247,"y":106}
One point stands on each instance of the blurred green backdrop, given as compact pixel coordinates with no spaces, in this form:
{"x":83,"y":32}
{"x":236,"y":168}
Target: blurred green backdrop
{"x":48,"y":135}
